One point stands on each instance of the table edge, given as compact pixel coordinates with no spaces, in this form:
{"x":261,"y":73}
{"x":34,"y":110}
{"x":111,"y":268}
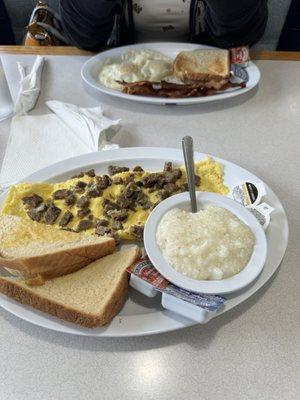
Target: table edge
{"x":74,"y":51}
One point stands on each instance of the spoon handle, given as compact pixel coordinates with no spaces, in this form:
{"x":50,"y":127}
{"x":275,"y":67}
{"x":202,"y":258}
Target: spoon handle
{"x":188,"y":153}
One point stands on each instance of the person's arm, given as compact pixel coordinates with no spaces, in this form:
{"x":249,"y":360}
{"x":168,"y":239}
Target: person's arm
{"x":88,"y":23}
{"x":231,"y":23}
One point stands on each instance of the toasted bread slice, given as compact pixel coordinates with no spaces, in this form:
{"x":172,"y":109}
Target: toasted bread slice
{"x":211,"y":67}
{"x":40,"y":251}
{"x":89,"y":297}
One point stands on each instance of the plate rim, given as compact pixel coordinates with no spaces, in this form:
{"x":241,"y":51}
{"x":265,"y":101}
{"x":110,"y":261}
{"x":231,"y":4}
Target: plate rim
{"x":158,"y":153}
{"x":90,"y":83}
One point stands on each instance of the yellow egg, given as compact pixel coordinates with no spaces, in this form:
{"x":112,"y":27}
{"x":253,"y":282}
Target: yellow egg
{"x":211,"y":174}
{"x":134,"y":66}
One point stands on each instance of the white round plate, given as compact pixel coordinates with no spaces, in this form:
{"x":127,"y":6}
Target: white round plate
{"x":91,"y":68}
{"x":229,"y":285}
{"x":141,"y":315}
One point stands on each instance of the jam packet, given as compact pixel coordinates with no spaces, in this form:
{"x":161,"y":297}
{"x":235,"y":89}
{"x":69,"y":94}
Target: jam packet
{"x":238,"y":74}
{"x":210,"y":302}
{"x":146,"y":279}
{"x":240,"y":56}
{"x":239,"y":60}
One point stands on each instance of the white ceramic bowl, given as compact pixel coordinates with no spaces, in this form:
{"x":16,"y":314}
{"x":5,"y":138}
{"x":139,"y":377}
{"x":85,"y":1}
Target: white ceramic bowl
{"x":232,"y":284}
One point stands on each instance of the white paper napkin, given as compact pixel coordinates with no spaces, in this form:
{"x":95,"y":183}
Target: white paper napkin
{"x":38,"y":141}
{"x":90,"y":125}
{"x":30,"y":86}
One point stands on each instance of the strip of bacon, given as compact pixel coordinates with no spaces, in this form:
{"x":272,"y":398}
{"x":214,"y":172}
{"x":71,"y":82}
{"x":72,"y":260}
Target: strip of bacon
{"x":172,"y":90}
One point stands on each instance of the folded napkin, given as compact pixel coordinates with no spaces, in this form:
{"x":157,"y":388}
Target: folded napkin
{"x":38,"y":141}
{"x":30,"y":86}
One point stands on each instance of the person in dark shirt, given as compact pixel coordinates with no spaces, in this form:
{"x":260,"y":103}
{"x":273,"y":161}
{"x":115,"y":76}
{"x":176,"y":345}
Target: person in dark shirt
{"x":6,"y":32}
{"x":290,"y":35}
{"x":94,"y":24}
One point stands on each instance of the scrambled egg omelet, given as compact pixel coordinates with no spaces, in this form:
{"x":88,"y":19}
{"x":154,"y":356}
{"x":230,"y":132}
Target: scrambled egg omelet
{"x":116,"y":205}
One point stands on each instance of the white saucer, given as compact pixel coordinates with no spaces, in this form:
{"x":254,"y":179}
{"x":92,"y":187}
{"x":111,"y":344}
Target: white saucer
{"x":232,"y":284}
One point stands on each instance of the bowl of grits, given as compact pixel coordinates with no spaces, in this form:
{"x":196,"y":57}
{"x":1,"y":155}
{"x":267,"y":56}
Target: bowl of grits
{"x":220,"y":249}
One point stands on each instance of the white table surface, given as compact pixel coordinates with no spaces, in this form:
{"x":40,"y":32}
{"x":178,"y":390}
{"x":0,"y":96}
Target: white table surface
{"x":252,"y":351}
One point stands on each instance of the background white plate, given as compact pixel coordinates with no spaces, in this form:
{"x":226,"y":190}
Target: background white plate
{"x":142,"y":315}
{"x":229,"y":285}
{"x":90,"y":71}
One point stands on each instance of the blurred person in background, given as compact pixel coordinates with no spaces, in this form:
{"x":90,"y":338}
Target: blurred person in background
{"x":94,"y":24}
{"x":6,"y":32}
{"x":290,"y":36}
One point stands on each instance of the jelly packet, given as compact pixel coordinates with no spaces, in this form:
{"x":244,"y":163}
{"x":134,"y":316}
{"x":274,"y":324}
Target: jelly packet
{"x":240,"y":56}
{"x":239,"y":59}
{"x":147,"y":280}
{"x":238,"y":74}
{"x":145,"y":270}
{"x":210,"y":302}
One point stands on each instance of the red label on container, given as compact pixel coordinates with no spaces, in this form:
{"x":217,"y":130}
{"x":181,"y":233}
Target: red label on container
{"x":144,"y":269}
{"x":239,"y":55}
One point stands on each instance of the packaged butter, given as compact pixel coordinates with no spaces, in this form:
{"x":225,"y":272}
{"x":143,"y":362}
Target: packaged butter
{"x":248,"y":193}
{"x":262,"y":213}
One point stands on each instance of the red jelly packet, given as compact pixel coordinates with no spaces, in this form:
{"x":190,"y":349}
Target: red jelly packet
{"x":240,"y":56}
{"x":145,"y":270}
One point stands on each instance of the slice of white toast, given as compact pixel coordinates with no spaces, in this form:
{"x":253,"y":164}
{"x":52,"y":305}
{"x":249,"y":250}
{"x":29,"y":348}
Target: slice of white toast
{"x":35,"y":250}
{"x":89,"y":297}
{"x":210,"y":67}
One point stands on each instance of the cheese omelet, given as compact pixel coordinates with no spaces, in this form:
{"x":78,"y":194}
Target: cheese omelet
{"x":94,"y":211}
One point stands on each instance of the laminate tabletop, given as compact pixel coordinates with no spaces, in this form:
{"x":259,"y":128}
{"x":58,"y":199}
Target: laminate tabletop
{"x":250,"y":352}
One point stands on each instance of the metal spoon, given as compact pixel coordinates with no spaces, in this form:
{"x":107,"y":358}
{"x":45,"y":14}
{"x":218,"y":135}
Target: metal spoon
{"x":188,"y":153}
